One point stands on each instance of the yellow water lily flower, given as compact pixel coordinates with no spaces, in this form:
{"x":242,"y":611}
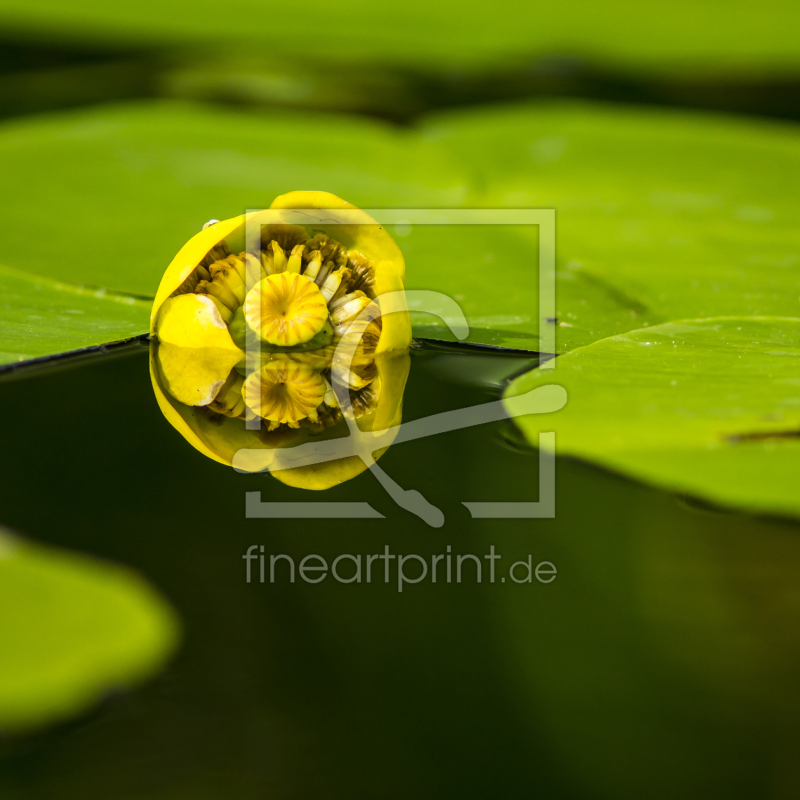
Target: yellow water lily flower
{"x":262,"y":321}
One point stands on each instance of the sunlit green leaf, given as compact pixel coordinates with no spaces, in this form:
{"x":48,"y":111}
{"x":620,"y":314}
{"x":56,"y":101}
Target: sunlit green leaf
{"x":490,"y":271}
{"x":706,"y":407}
{"x":42,"y":317}
{"x":73,"y":630}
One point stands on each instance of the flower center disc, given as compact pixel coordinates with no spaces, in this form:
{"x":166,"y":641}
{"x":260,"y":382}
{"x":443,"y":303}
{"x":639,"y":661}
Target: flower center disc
{"x":286,"y":309}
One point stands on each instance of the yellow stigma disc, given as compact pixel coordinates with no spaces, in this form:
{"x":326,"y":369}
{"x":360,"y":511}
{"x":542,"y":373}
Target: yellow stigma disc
{"x":286,"y":309}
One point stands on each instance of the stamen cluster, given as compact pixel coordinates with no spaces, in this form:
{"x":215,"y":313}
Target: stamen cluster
{"x":303,"y":309}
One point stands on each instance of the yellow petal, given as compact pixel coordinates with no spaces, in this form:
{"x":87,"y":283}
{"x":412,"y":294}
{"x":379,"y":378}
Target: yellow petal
{"x":196,"y":353}
{"x":218,"y":438}
{"x":189,"y":256}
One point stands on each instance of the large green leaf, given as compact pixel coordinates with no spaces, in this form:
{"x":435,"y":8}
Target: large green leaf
{"x":693,"y":33}
{"x":660,"y":215}
{"x":41,"y":317}
{"x":73,"y":629}
{"x":707,"y":407}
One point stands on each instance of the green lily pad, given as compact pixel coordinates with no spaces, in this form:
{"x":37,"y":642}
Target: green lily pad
{"x":660,"y":215}
{"x":41,"y":317}
{"x":440,"y":35}
{"x":708,"y":407}
{"x":74,"y":629}
{"x":491,"y":272}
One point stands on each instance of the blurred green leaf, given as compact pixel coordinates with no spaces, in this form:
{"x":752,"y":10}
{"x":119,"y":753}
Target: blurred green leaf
{"x":73,"y":629}
{"x":42,"y":317}
{"x":689,"y":33}
{"x":705,"y":407}
{"x":261,"y":80}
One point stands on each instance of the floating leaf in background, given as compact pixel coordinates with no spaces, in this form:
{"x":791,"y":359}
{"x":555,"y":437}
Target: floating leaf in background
{"x":691,"y":34}
{"x":43,"y":317}
{"x":709,"y":407}
{"x":73,"y":629}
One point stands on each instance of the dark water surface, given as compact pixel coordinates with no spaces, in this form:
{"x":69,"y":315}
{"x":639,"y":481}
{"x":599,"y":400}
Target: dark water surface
{"x":663,"y":661}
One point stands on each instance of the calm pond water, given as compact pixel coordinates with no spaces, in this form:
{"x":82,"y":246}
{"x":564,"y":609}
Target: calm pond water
{"x":663,"y":661}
